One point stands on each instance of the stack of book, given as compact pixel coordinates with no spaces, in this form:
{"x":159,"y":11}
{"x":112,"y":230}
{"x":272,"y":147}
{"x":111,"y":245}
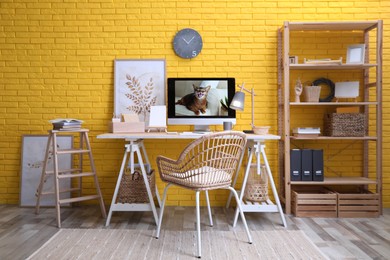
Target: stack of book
{"x":66,"y":124}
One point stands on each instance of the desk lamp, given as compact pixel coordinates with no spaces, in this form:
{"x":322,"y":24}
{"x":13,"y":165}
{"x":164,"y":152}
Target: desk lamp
{"x":239,"y":101}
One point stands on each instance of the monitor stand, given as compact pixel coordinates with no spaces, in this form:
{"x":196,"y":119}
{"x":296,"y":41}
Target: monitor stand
{"x":201,"y":128}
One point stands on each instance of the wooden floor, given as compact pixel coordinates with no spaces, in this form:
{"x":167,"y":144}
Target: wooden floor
{"x":22,"y":232}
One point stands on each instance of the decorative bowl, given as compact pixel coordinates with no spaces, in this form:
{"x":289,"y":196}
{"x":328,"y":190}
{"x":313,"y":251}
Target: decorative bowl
{"x":260,"y":130}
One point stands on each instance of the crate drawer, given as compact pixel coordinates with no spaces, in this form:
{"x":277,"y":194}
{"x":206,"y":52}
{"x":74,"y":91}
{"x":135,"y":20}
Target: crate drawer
{"x":364,"y":204}
{"x":314,"y":203}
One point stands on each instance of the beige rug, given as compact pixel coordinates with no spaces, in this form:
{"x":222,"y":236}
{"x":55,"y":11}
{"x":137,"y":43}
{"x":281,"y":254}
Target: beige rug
{"x":141,"y":244}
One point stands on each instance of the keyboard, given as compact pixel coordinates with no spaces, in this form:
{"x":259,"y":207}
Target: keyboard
{"x":194,"y":133}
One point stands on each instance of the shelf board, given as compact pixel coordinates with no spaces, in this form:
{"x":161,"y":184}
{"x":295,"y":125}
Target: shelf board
{"x":335,"y":138}
{"x":332,"y":26}
{"x":331,"y":66}
{"x":332,"y":103}
{"x":337,"y":181}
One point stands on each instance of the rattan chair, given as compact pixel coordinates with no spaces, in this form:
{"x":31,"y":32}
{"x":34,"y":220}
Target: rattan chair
{"x":208,"y":163}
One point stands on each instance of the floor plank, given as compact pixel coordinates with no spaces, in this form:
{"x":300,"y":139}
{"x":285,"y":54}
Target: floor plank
{"x":22,"y":231}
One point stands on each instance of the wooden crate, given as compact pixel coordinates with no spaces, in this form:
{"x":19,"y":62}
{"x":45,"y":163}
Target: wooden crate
{"x":363,"y":204}
{"x":320,"y":203}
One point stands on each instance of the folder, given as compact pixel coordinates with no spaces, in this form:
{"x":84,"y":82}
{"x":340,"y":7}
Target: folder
{"x":295,"y":165}
{"x":307,"y":165}
{"x":318,"y":165}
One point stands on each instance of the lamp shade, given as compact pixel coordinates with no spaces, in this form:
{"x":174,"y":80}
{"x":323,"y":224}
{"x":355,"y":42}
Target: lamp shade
{"x":238,"y":101}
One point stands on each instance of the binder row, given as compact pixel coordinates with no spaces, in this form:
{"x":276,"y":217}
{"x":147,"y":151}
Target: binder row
{"x":306,"y":165}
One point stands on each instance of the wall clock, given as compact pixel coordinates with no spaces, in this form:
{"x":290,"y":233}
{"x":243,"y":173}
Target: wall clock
{"x":187,"y":43}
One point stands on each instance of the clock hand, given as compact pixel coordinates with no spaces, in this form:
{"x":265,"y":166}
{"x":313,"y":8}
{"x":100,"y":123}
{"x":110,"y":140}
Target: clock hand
{"x":191,"y":39}
{"x":185,"y":40}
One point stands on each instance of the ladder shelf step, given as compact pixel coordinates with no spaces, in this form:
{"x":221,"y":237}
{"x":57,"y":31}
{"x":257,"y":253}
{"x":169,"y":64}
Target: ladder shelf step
{"x":75,"y":175}
{"x":77,"y":199}
{"x":63,"y":171}
{"x":72,"y":151}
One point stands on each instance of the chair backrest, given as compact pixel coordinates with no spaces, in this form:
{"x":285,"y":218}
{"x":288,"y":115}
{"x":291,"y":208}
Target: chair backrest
{"x":218,"y":154}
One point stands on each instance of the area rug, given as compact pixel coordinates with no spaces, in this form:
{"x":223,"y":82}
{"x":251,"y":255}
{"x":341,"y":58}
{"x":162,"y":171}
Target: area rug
{"x":141,"y":244}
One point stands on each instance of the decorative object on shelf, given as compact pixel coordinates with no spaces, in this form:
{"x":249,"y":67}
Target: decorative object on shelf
{"x":139,"y":84}
{"x":312,"y":93}
{"x":187,"y":43}
{"x":293,"y":59}
{"x":298,"y":90}
{"x":158,"y":118}
{"x":330,"y":84}
{"x":325,"y":61}
{"x":238,"y":103}
{"x":344,"y":124}
{"x":347,"y":90}
{"x":355,"y":54}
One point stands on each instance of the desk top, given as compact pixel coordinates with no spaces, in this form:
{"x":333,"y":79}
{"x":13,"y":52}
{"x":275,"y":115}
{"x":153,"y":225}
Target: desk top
{"x":174,"y":135}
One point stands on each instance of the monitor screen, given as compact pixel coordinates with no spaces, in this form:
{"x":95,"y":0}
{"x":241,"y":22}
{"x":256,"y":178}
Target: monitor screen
{"x":200,"y":101}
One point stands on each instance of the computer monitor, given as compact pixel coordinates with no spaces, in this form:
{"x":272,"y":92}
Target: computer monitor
{"x":200,"y":102}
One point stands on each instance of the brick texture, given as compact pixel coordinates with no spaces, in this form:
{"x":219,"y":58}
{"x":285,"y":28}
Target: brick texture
{"x":56,"y":60}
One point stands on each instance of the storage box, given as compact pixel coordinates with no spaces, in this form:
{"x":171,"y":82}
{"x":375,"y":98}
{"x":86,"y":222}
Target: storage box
{"x":344,"y":124}
{"x":360,"y":204}
{"x":318,"y":202}
{"x":126,"y":127}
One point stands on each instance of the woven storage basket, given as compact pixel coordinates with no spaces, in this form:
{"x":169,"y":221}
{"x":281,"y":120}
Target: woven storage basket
{"x":132,"y":188}
{"x":344,"y":124}
{"x":257,"y":185}
{"x":312,"y":93}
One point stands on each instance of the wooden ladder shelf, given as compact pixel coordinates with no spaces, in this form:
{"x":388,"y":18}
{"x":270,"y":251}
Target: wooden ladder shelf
{"x":53,"y":153}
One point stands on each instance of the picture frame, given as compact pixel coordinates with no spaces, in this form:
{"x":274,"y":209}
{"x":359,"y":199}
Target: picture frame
{"x":139,"y":84}
{"x":32,"y":160}
{"x":293,"y":59}
{"x":355,"y":54}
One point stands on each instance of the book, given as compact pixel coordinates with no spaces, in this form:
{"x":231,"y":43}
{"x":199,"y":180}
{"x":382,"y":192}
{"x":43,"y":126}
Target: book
{"x":66,"y":120}
{"x":66,"y":124}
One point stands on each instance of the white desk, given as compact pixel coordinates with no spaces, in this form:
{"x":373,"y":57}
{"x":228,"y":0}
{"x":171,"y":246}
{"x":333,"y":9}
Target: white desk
{"x":256,"y":146}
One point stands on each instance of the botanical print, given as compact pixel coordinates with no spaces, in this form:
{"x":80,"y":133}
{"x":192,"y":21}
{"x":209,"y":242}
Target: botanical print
{"x":139,"y":84}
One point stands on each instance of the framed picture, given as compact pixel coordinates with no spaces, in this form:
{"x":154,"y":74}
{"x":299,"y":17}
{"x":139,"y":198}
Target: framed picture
{"x":139,"y":85}
{"x":355,"y":54}
{"x":32,"y":160}
{"x":293,"y":59}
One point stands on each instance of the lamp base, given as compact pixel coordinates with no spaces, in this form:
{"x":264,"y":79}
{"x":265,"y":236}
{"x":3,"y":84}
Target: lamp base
{"x":248,"y":131}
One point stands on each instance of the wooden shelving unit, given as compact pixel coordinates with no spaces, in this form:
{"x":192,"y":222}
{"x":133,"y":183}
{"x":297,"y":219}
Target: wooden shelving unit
{"x":284,"y":124}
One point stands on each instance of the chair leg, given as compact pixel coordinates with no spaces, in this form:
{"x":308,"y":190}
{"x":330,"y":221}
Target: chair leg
{"x":198,"y":223}
{"x":242,"y":214}
{"x":209,"y":208}
{"x":162,"y":210}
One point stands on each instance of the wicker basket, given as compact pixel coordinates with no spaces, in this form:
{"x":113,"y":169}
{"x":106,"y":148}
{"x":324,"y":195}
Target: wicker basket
{"x":132,"y":188}
{"x":312,"y":93}
{"x":257,"y":185}
{"x":344,"y":124}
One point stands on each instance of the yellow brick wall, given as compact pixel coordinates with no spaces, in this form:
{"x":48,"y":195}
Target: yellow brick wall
{"x":56,"y":60}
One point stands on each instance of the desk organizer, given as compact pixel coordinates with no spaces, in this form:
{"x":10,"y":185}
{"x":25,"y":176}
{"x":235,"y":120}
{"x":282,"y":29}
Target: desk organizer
{"x":126,"y":127}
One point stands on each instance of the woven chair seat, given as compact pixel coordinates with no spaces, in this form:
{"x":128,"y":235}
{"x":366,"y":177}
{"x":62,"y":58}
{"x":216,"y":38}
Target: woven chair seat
{"x":202,"y":178}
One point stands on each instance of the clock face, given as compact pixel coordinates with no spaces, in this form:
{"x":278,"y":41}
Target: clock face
{"x":187,"y":43}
